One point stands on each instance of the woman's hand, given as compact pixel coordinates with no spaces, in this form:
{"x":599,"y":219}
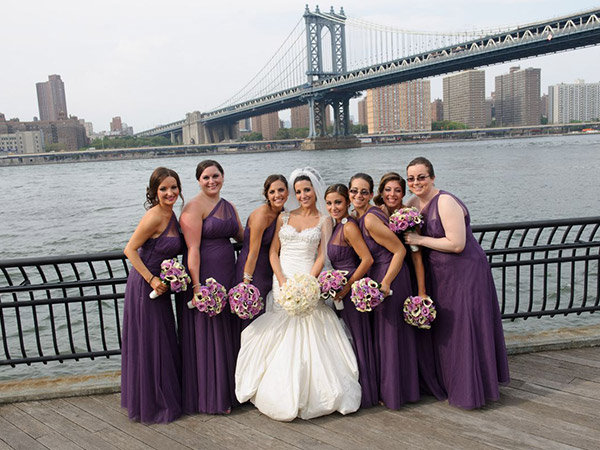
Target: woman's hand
{"x":342,"y":293}
{"x":158,"y":285}
{"x":413,"y":238}
{"x":385,"y":288}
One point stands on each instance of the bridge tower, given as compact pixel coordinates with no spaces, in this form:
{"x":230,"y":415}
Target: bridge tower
{"x":315,"y":23}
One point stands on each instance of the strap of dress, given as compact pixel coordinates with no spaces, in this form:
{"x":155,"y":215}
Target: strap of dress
{"x":285,"y":216}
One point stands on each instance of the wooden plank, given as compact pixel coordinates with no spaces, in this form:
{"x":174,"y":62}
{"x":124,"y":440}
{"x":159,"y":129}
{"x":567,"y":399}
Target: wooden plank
{"x":138,"y":431}
{"x":588,"y":353}
{"x":571,"y":359}
{"x":78,"y":415}
{"x":68,"y":430}
{"x":16,"y":438}
{"x":25,"y":422}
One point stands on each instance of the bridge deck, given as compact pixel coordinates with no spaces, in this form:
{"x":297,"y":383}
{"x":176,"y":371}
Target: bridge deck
{"x":553,"y":401}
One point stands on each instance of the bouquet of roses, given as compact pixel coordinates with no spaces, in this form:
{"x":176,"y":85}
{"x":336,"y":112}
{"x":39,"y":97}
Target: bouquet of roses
{"x":331,"y":282}
{"x":366,"y":294}
{"x":406,"y":219}
{"x":173,"y":274}
{"x":245,"y":300}
{"x":300,"y":294}
{"x":419,"y":311}
{"x":210,"y":299}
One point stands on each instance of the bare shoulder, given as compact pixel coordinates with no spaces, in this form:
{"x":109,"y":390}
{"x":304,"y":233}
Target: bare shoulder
{"x":259,"y":217}
{"x":413,"y":201}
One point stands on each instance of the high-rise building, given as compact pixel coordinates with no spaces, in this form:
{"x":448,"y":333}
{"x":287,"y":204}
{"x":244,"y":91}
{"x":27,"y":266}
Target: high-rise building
{"x":568,"y":102}
{"x":437,"y":110}
{"x":518,"y":97}
{"x":116,"y":126}
{"x":464,"y":98}
{"x":51,"y":99}
{"x":267,"y":125}
{"x":362,"y":111}
{"x":68,"y":134}
{"x":399,"y":107}
{"x":22,"y":142}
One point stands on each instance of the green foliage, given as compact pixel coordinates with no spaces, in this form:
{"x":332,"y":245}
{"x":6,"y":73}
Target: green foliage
{"x":448,"y":125}
{"x":544,"y":120}
{"x":254,"y":136}
{"x":359,"y":129}
{"x":130,"y":142}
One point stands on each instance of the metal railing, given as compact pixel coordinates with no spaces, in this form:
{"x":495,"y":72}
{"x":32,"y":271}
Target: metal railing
{"x":70,"y":308}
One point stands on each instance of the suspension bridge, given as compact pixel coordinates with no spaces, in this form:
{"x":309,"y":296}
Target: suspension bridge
{"x":328,"y":58}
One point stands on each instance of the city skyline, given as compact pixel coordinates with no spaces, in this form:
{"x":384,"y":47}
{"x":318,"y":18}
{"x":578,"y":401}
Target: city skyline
{"x":132,"y":59}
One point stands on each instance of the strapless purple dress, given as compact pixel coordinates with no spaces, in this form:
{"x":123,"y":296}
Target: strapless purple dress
{"x":394,"y":339}
{"x":467,"y":334}
{"x":150,"y":364}
{"x":343,"y":257}
{"x":209,"y":345}
{"x":263,"y":273}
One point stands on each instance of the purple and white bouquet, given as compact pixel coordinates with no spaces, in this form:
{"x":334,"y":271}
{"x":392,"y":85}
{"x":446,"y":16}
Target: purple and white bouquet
{"x":419,"y":311}
{"x":300,"y":294}
{"x":331,"y":282}
{"x":366,"y":294}
{"x":211,"y":298}
{"x":173,"y":274}
{"x":406,"y":219}
{"x":245,"y":300}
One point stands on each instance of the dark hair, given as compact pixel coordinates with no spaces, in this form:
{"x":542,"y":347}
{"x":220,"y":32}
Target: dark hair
{"x":425,"y":162}
{"x":385,"y":179}
{"x":363,"y":176}
{"x":203,"y":165}
{"x":270,"y":180}
{"x":157,"y":177}
{"x":338,"y":189}
{"x":301,"y":178}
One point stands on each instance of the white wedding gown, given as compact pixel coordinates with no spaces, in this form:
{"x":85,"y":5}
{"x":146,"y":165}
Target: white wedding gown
{"x":297,"y":366}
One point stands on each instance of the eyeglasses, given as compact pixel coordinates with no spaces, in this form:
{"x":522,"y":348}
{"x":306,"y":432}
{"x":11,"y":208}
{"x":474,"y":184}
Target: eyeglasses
{"x":362,"y":192}
{"x":418,"y":178}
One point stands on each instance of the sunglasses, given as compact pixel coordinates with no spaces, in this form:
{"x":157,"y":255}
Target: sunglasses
{"x":418,"y":178}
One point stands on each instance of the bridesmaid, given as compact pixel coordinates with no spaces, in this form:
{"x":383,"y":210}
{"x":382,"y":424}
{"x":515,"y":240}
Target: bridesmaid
{"x":347,"y":250}
{"x":395,"y":345}
{"x":253,"y":264}
{"x":391,"y":190}
{"x":150,"y":365}
{"x":467,"y":337}
{"x":209,"y":345}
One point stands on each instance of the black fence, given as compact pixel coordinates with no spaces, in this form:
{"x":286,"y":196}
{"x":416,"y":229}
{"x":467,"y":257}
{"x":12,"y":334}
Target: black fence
{"x":70,"y":308}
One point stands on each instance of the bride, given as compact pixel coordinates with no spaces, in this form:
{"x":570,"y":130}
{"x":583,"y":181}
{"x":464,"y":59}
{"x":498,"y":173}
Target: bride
{"x":298,"y":365}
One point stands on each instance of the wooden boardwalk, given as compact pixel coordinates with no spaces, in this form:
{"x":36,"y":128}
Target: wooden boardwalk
{"x":553,"y":401}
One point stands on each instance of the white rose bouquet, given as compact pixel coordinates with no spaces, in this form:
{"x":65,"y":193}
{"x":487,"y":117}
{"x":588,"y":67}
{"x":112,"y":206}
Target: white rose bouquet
{"x":300,"y":294}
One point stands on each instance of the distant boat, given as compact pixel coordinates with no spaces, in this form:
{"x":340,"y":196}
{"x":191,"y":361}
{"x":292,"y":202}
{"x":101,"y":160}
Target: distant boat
{"x":590,"y":130}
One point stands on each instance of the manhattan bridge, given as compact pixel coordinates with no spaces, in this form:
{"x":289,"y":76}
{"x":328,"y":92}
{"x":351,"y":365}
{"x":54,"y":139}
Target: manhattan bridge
{"x":328,"y":58}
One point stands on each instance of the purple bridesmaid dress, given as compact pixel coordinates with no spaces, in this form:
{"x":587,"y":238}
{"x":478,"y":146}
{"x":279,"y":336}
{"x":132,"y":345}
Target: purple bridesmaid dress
{"x":343,"y":257}
{"x":209,"y":345}
{"x":394,"y":339}
{"x":263,"y":273}
{"x":467,"y":334}
{"x":150,"y":364}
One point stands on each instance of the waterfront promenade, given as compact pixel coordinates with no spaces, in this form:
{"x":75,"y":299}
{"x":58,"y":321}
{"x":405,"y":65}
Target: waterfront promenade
{"x":553,"y":401}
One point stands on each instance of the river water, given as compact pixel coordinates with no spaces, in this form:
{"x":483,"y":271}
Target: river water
{"x":88,"y":207}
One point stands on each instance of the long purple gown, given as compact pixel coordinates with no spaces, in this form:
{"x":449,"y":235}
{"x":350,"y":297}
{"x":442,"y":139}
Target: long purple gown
{"x":467,"y":334}
{"x":395,"y":343}
{"x":209,"y":345}
{"x":150,"y":364}
{"x":343,"y":257}
{"x":263,"y":273}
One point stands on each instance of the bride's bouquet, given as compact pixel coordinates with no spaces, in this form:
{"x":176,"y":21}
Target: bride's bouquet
{"x":300,"y":294}
{"x":173,"y":274}
{"x":406,"y":219}
{"x":331,"y":282}
{"x":366,"y":294}
{"x":419,"y":311}
{"x":210,"y":299}
{"x":245,"y":300}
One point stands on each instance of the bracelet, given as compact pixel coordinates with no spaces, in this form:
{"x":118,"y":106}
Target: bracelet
{"x":247,"y":276}
{"x":151,"y":278}
{"x":197,"y":284}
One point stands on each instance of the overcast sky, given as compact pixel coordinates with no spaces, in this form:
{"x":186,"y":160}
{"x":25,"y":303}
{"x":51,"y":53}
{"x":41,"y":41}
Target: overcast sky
{"x":152,"y":61}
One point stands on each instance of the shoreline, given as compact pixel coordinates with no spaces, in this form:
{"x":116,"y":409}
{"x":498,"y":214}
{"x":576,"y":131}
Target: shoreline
{"x":13,"y":391}
{"x":253,"y":147}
